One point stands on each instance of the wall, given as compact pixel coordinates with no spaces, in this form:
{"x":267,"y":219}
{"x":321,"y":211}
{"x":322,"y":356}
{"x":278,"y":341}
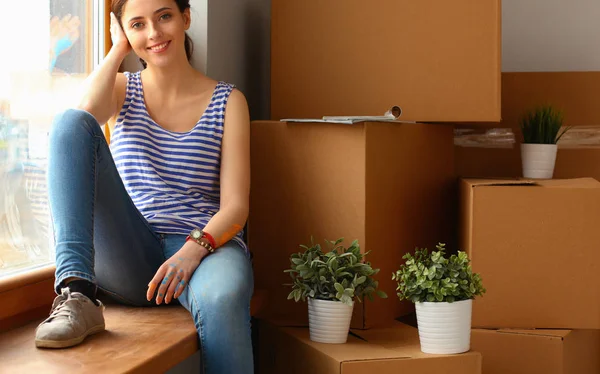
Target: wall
{"x":550,"y":35}
{"x":239,"y":40}
{"x":198,"y":33}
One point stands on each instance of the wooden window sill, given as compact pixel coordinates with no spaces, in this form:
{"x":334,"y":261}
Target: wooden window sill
{"x":25,"y":297}
{"x":137,"y":340}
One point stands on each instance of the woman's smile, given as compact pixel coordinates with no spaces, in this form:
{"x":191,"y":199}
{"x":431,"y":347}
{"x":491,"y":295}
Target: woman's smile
{"x":159,"y":48}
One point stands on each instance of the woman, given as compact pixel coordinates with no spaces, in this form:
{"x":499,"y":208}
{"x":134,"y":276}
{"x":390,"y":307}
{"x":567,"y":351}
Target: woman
{"x":159,"y":216}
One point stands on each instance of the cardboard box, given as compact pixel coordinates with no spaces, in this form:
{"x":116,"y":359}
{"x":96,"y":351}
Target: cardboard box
{"x":538,"y":351}
{"x":351,"y":57}
{"x":536,"y":247}
{"x":391,"y":186}
{"x":389,"y":350}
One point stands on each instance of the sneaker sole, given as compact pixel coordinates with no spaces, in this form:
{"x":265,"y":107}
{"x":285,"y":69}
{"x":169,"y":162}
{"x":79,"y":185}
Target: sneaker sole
{"x":70,"y":342}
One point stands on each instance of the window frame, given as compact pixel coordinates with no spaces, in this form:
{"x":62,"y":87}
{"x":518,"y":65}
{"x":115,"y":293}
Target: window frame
{"x":28,"y":295}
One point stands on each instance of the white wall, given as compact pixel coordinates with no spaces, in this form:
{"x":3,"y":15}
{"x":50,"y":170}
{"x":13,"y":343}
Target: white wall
{"x":550,"y":35}
{"x":198,"y":33}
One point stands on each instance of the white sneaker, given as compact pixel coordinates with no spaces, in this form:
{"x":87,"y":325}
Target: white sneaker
{"x":73,"y":317}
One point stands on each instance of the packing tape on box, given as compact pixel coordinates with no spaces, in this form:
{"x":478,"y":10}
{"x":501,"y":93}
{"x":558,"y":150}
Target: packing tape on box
{"x":577,"y":137}
{"x":482,"y":138}
{"x":580,"y":137}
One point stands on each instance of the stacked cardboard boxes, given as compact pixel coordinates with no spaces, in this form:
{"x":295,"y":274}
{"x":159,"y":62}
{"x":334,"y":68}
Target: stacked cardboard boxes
{"x":545,"y":240}
{"x":390,"y":186}
{"x":393,"y":187}
{"x":535,"y":245}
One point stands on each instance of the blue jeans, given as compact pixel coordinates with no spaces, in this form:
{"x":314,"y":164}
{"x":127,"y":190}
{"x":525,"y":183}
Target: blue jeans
{"x":100,"y":236}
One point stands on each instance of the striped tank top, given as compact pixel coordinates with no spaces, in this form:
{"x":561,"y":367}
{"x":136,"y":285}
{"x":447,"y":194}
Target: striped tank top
{"x":172,"y":177}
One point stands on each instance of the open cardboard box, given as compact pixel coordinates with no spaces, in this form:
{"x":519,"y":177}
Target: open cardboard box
{"x":538,"y":351}
{"x":387,"y":350}
{"x":536,"y":247}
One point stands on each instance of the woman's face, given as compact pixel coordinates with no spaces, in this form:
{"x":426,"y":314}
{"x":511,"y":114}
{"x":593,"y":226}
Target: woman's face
{"x":156,"y":30}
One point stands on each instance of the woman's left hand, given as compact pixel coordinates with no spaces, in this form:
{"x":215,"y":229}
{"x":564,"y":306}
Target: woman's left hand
{"x":173,"y":276}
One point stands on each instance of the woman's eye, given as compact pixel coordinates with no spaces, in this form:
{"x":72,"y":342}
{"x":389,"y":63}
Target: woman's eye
{"x":165,"y":16}
{"x":136,"y":25}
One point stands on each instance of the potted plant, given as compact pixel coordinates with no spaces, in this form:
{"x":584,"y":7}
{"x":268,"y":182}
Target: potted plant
{"x":442,"y":289}
{"x":541,"y":129}
{"x":331,"y":281}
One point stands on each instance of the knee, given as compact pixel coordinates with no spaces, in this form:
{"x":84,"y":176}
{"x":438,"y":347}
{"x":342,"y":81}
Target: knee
{"x":225,"y":297}
{"x":73,"y":124}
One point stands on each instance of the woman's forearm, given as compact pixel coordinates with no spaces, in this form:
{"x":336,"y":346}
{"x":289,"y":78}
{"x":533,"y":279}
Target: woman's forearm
{"x":98,"y":96}
{"x":228,"y":221}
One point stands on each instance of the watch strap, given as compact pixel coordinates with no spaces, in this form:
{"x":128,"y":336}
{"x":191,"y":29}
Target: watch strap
{"x":206,"y":245}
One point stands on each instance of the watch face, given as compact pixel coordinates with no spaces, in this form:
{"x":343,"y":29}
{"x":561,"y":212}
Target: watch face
{"x":196,"y":234}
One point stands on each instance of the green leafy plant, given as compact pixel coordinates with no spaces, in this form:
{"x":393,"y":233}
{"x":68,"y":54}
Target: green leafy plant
{"x":542,"y":125}
{"x":339,"y":275}
{"x":433,"y":277}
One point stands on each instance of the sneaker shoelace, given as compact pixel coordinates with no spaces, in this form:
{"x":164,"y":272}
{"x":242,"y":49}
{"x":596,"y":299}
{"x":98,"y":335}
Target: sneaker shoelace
{"x":61,"y":310}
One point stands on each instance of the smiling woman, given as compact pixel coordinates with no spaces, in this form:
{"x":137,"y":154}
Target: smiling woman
{"x":157,"y":216}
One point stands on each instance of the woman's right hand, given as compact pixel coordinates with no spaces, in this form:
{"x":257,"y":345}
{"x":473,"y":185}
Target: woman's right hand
{"x":117,"y":35}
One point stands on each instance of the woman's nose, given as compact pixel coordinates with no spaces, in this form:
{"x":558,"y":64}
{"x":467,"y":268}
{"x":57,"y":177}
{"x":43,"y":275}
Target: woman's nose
{"x":154,"y":32}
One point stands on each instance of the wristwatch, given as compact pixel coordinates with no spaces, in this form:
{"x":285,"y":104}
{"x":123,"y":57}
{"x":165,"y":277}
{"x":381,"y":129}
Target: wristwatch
{"x":198,"y":234}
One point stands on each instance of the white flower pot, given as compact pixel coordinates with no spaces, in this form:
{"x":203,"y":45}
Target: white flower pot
{"x":329,"y":321}
{"x":444,"y":328}
{"x":538,"y":160}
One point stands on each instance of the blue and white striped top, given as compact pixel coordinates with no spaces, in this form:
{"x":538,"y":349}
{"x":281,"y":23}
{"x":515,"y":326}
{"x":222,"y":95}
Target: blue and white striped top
{"x":172,"y":177}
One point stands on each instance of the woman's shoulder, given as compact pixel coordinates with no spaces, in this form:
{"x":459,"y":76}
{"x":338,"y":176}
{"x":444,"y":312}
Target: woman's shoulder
{"x":226,"y":93}
{"x":237,"y":106}
{"x":226,"y":85}
{"x":236,"y":96}
{"x":221,"y":88}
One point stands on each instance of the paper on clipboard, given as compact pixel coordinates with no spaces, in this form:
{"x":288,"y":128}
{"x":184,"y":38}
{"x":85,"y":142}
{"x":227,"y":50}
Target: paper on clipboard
{"x":391,"y":115}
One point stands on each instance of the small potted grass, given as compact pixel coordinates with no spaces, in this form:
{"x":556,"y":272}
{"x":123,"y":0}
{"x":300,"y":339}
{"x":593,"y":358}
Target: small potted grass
{"x":541,"y":129}
{"x":331,"y":281}
{"x":443,"y":289}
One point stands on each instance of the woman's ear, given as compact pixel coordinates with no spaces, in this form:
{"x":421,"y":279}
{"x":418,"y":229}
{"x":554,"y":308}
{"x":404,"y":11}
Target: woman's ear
{"x":187,"y":19}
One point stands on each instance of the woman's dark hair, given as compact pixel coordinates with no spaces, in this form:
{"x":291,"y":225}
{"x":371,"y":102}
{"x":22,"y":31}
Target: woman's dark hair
{"x":117,"y":8}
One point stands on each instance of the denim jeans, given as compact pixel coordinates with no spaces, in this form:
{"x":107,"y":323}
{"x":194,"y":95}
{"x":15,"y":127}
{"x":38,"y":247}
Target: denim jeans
{"x":102,"y":237}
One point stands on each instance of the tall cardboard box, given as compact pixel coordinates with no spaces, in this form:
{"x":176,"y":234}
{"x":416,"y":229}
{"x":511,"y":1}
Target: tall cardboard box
{"x":389,"y":185}
{"x":389,"y":350}
{"x":538,"y":351}
{"x":536,"y":247}
{"x":439,"y":60}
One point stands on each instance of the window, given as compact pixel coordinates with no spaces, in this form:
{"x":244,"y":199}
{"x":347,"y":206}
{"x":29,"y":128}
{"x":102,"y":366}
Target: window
{"x":53,"y":45}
